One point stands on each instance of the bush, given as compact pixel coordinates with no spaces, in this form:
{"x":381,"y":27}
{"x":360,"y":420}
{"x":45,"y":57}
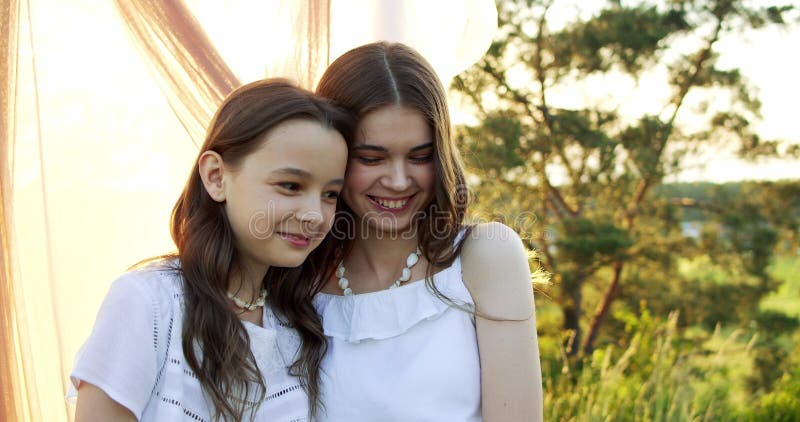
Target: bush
{"x":781,"y":405}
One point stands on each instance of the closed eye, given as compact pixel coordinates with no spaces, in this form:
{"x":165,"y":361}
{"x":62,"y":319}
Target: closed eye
{"x":368,"y":160}
{"x":426,"y":158}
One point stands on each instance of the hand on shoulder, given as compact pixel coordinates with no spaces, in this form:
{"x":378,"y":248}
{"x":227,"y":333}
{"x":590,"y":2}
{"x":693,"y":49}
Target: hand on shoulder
{"x":494,"y":264}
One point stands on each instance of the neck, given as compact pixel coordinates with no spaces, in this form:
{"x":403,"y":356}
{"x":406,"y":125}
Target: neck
{"x":247,"y":281}
{"x":374,"y":262}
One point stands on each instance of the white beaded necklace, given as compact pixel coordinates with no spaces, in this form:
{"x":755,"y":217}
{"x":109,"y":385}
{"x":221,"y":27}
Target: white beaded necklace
{"x":250,"y":306}
{"x":405,"y":275}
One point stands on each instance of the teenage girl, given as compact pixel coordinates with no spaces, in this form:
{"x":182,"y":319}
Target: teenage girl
{"x":204,"y":334}
{"x":427,"y":319}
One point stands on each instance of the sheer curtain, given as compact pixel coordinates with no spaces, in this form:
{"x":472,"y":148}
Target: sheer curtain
{"x":103,"y":106}
{"x":11,"y":400}
{"x":193,"y":76}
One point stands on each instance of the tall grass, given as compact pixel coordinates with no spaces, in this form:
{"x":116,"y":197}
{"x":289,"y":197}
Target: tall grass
{"x":657,"y":377}
{"x":659,"y":371}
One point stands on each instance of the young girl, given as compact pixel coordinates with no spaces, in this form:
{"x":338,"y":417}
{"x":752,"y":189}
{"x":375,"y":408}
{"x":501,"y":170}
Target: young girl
{"x":427,"y":320}
{"x":202,"y":335}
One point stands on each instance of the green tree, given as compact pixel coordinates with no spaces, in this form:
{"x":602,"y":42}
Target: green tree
{"x":587,"y":169}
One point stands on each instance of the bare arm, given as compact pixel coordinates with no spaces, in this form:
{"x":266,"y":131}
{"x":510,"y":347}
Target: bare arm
{"x":94,"y":405}
{"x":495,"y":269}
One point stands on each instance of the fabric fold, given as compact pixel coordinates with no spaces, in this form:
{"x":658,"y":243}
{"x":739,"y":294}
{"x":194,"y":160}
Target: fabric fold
{"x":390,"y":313}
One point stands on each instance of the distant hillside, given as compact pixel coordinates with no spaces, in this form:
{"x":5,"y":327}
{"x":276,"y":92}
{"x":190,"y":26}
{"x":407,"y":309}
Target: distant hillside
{"x":696,"y":190}
{"x":703,"y":192}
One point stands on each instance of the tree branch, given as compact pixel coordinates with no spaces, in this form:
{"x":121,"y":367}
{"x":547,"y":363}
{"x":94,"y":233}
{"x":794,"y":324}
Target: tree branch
{"x":601,"y":314}
{"x":697,"y":66}
{"x":471,"y":94}
{"x":559,"y":199}
{"x":522,"y":99}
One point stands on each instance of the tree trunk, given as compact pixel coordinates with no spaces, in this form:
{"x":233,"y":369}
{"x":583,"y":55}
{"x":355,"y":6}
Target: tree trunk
{"x":572,"y":318}
{"x":601,"y":315}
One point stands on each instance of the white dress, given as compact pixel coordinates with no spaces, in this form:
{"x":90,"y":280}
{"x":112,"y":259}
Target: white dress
{"x":401,"y":354}
{"x":134,"y":355}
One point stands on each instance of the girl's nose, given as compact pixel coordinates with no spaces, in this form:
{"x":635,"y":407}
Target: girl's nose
{"x":398,"y":179}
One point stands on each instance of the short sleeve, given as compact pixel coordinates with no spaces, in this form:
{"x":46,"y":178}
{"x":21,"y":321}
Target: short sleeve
{"x":122,"y":353}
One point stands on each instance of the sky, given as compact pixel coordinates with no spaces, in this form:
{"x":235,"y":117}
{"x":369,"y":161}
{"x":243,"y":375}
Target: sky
{"x":766,"y":59}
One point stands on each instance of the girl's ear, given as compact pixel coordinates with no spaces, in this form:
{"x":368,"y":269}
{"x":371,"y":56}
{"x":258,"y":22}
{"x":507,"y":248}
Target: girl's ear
{"x":211,"y":170}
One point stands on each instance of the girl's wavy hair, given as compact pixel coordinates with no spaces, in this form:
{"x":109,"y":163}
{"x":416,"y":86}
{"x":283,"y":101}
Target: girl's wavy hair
{"x":207,"y":254}
{"x":383,"y":74}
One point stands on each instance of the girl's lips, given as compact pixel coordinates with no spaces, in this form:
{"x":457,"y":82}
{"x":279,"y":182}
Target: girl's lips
{"x":376,"y":202}
{"x":296,"y":240}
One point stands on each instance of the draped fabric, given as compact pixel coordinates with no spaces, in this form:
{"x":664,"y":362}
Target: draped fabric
{"x":192,"y":74}
{"x":103,"y":105}
{"x":12,"y":391}
{"x":54,"y":249}
{"x":310,"y":57}
{"x":195,"y":78}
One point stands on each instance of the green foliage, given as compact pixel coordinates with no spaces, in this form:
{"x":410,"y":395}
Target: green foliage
{"x":583,"y":183}
{"x":586,"y":240}
{"x":590,"y":174}
{"x":781,"y":405}
{"x":658,"y":371}
{"x":650,"y":377}
{"x":502,"y":136}
{"x":785,"y":299}
{"x":628,"y":36}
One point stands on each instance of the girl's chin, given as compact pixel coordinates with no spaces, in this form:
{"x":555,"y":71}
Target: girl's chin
{"x":400,"y":226}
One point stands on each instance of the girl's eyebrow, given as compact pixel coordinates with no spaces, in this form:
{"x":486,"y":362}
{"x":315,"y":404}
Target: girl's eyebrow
{"x":378,"y":148}
{"x":293,"y":171}
{"x":421,"y":147}
{"x":369,"y":147}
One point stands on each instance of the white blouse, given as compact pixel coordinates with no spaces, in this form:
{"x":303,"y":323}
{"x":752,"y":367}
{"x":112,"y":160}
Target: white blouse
{"x":134,"y":355}
{"x":401,"y":354}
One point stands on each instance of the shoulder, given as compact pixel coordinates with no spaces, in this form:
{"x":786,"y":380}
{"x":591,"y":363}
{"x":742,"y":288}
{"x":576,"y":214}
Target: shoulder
{"x":135,"y":317}
{"x":149,"y":290}
{"x":493,"y":246}
{"x":495,"y":269}
{"x":129,"y":341}
{"x":487,"y":237}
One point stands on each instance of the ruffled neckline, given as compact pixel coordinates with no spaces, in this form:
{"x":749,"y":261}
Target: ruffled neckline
{"x":389,"y":313}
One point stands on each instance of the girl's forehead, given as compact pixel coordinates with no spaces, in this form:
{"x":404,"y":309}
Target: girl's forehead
{"x":297,"y":143}
{"x":392,"y":147}
{"x":393,"y":126}
{"x":391,"y":114}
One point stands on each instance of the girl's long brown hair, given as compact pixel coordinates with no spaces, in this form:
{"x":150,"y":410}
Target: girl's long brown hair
{"x":382,"y":74}
{"x":224,"y":364}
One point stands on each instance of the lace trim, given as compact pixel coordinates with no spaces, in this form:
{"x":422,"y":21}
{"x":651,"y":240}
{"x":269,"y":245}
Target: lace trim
{"x":280,"y":393}
{"x":187,"y":412}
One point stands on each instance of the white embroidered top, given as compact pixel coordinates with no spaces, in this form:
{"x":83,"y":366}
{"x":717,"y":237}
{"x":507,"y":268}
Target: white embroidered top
{"x":401,"y":354}
{"x":134,"y":355}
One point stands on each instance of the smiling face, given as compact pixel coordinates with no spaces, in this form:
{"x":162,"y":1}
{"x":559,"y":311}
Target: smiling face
{"x":281,"y":199}
{"x":390,"y":175}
